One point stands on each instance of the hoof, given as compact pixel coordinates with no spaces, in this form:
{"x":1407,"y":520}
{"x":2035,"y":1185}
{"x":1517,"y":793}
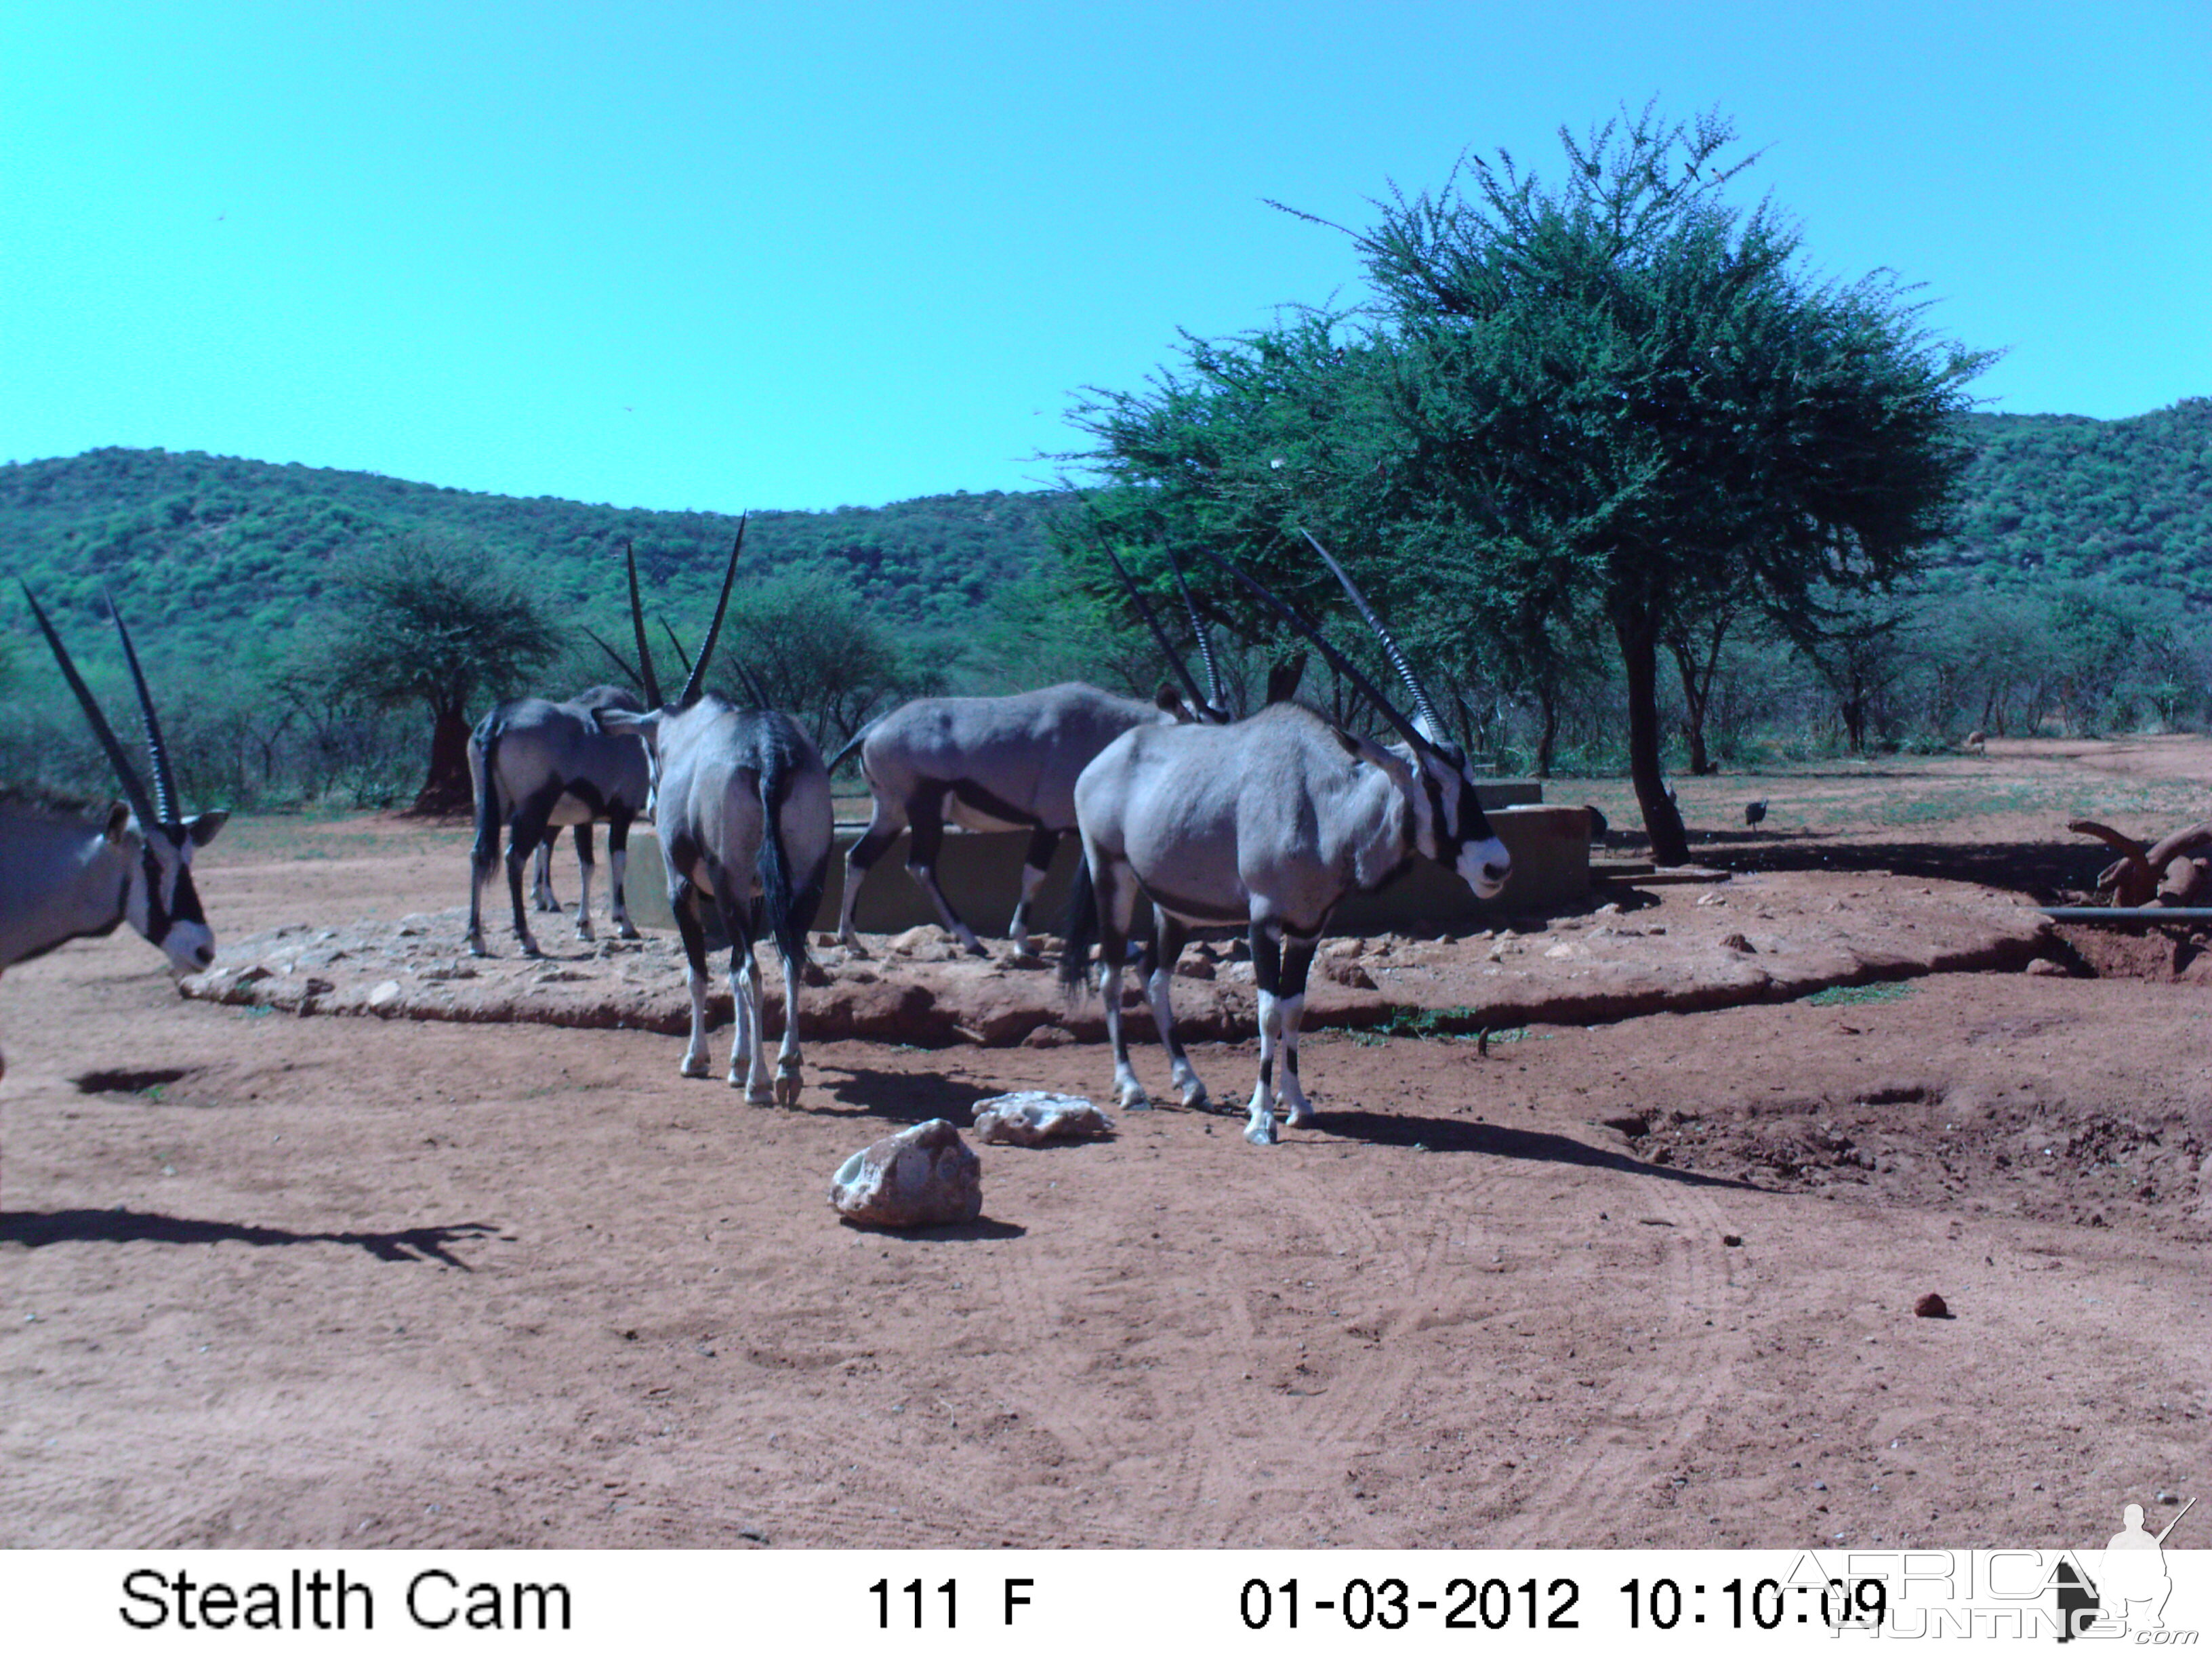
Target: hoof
{"x":694,"y":1065}
{"x":1134,"y":1100}
{"x":627,"y":932}
{"x":1299,"y":1116}
{"x":529,"y":949}
{"x":1263,"y":1133}
{"x":855,"y":950}
{"x":974,"y":948}
{"x":757,"y":1096}
{"x":1195,"y":1099}
{"x":584,"y":932}
{"x":477,"y":948}
{"x":787,"y":1089}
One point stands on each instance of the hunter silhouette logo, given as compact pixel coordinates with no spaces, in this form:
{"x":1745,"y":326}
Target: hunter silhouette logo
{"x":2132,"y":1584}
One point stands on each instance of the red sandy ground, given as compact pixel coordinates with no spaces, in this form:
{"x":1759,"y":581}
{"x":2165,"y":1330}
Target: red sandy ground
{"x":271,"y":1281}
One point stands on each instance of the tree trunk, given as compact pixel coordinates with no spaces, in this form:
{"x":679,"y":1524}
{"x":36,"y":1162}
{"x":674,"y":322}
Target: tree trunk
{"x":1639,"y":661}
{"x":1697,"y":691}
{"x":1547,"y":699}
{"x":448,"y":788}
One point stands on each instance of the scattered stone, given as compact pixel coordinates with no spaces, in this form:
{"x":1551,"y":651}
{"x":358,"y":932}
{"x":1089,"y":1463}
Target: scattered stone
{"x":914,"y":939}
{"x":1731,"y":1239}
{"x":1560,"y":951}
{"x":1739,"y":944}
{"x":1710,"y":898}
{"x":1931,"y":1306}
{"x":1195,"y":968}
{"x":1049,"y":1036}
{"x":2045,"y":968}
{"x":1031,"y":1117}
{"x":385,"y":996}
{"x":1346,"y":971}
{"x":317,"y":987}
{"x":924,"y":1177}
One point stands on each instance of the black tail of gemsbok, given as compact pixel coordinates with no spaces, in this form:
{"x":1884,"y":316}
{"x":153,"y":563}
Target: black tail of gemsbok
{"x":1080,"y":934}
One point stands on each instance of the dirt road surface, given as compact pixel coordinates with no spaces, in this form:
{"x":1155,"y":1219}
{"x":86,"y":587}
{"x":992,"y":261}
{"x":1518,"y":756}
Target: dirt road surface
{"x":268,"y":1280}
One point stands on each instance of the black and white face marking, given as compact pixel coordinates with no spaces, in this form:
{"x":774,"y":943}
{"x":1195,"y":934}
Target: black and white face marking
{"x":160,"y":899}
{"x":1461,"y":833}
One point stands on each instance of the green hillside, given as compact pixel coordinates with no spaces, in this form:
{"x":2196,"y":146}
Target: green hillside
{"x":200,"y":549}
{"x":2081,"y":542}
{"x":2055,"y":498}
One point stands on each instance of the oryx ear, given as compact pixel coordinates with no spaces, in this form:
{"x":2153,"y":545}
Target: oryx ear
{"x":621,"y":722}
{"x":119,"y":820}
{"x":1166,"y":701}
{"x":205,"y":827}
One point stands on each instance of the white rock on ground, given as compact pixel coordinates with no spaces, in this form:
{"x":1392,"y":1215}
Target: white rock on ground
{"x":1032,"y":1116}
{"x":923,"y":1176}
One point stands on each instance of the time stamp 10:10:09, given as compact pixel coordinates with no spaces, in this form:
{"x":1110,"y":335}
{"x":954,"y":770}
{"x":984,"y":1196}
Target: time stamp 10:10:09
{"x":1495,"y":1604}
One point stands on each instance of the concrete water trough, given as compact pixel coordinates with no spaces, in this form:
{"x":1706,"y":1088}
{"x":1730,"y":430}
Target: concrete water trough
{"x":980,"y":873}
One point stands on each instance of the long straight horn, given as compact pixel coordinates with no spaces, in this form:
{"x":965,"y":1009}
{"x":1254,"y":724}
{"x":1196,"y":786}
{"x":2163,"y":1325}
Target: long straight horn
{"x":647,"y":676}
{"x":1175,"y":659}
{"x":707,"y":651}
{"x":165,"y":781}
{"x":682,"y":655}
{"x":1422,"y":706}
{"x":1198,"y":627}
{"x":1337,"y":660}
{"x":132,"y":788}
{"x":620,"y":661}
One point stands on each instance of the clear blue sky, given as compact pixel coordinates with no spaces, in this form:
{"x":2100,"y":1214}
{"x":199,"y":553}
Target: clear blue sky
{"x":724,"y":256}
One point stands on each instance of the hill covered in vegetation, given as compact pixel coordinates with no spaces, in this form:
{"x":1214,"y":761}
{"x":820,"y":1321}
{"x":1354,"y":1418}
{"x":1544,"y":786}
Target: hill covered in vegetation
{"x":2078,"y":589}
{"x":206,"y":545}
{"x":201,"y":548}
{"x":2057,"y":498}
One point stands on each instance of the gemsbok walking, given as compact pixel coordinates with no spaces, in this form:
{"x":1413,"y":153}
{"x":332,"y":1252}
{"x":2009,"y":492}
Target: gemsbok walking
{"x":741,"y":803}
{"x":1266,"y":824}
{"x":1005,"y":763}
{"x":64,"y":876}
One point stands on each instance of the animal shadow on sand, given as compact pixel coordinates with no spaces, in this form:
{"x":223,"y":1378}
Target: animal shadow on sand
{"x":900,"y":1096}
{"x":35,"y":1228}
{"x":1440,"y":1134}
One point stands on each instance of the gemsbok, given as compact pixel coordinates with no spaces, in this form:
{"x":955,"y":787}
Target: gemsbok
{"x":1264,"y":824}
{"x":64,"y":876}
{"x":1005,"y":763}
{"x":741,"y":805}
{"x":536,"y":766}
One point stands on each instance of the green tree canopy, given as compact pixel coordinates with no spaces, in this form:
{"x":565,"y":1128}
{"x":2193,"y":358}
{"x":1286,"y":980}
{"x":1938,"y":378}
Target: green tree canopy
{"x":435,"y":622}
{"x":1618,"y":397}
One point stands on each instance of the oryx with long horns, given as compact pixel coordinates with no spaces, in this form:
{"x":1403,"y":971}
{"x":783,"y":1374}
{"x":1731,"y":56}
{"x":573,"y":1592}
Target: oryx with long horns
{"x":537,"y":765}
{"x":1266,"y":824}
{"x":64,"y":877}
{"x":741,"y":803}
{"x":1001,"y":764}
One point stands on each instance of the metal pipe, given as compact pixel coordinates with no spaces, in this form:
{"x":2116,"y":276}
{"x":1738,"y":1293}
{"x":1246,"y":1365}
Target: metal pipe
{"x":2115,"y":916}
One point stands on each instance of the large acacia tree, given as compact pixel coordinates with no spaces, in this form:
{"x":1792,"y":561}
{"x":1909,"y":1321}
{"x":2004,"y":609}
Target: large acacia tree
{"x":1644,"y":382}
{"x":443,"y":626}
{"x":1618,"y":407}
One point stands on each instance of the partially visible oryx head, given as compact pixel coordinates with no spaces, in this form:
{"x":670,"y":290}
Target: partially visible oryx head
{"x":1210,"y":709}
{"x":153,"y":840}
{"x":1448,"y":824}
{"x":646,"y":726}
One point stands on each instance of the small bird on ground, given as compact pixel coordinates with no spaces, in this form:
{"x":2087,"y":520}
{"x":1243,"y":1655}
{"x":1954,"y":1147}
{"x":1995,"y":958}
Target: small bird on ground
{"x":1755,"y":814}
